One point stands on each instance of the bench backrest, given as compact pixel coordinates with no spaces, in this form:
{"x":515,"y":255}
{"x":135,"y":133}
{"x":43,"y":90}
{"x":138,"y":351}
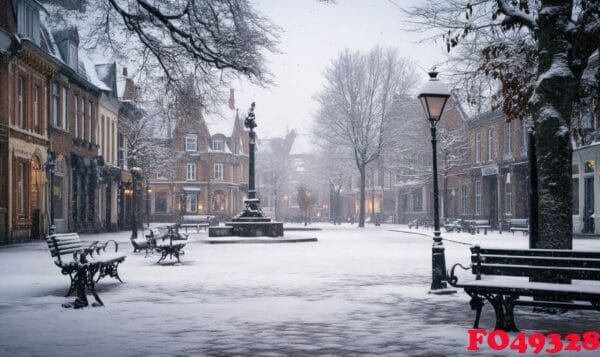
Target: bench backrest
{"x":539,"y":263}
{"x":519,"y":222}
{"x":62,"y":246}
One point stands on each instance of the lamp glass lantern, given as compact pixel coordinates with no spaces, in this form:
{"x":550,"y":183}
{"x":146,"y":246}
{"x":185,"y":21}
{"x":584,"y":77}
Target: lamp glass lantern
{"x":433,"y":97}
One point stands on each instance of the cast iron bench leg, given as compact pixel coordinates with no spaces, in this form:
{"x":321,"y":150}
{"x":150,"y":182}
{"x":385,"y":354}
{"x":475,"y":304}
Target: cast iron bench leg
{"x":504,"y":308}
{"x":477,"y":305}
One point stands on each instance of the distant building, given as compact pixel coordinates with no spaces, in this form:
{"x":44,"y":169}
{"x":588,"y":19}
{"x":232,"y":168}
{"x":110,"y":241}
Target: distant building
{"x":212,"y":173}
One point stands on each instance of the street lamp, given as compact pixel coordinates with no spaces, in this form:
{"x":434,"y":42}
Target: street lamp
{"x":51,"y":167}
{"x":433,"y":97}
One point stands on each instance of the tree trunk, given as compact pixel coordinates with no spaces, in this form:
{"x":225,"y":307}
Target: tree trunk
{"x":551,"y":107}
{"x":361,"y":211}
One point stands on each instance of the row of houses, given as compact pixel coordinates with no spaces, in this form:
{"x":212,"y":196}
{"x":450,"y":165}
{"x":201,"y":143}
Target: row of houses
{"x":63,"y":119}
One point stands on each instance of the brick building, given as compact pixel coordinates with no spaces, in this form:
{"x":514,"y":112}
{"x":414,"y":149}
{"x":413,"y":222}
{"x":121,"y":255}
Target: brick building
{"x":212,"y":172}
{"x":496,"y":185}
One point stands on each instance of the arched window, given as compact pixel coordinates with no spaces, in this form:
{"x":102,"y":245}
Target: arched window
{"x":218,"y":201}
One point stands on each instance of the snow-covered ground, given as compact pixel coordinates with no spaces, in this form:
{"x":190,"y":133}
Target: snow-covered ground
{"x":353,"y":292}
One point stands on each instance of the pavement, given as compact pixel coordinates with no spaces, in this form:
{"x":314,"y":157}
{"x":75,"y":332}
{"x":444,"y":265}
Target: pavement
{"x":354,"y":292}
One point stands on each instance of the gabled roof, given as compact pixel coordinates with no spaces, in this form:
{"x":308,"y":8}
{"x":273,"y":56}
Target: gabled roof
{"x":222,"y":122}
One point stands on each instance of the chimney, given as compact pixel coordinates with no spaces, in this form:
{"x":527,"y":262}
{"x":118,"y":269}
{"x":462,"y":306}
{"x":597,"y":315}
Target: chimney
{"x":124,"y":71}
{"x":231,"y":99}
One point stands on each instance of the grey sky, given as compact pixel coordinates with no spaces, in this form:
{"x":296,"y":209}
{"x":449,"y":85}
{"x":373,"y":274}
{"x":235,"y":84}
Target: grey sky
{"x":314,"y":33}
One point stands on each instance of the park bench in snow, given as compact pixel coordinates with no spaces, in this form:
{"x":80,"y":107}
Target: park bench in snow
{"x":197,"y":226}
{"x":74,"y":257}
{"x":519,"y":225}
{"x":170,"y":244}
{"x":504,"y":291}
{"x":475,"y":225}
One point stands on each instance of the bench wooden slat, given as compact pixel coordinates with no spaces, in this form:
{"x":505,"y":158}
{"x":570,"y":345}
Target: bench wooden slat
{"x":526,"y":270}
{"x":539,"y":252}
{"x":538,"y":261}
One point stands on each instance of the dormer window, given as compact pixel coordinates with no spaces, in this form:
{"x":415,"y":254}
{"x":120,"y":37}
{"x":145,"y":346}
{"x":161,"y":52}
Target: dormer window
{"x":73,"y":56}
{"x":218,"y":144}
{"x":191,"y":143}
{"x":29,"y":20}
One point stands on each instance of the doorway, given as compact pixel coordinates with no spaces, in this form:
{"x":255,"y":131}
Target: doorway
{"x":588,"y":205}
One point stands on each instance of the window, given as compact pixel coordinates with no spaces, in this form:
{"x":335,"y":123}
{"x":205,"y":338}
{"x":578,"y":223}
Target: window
{"x":508,"y":198}
{"x":589,"y":166}
{"x":64,"y":109}
{"x":191,"y":143}
{"x":90,"y":117}
{"x":478,"y":202}
{"x":575,"y":196}
{"x":36,"y":108}
{"x":464,"y":198}
{"x":218,"y":145}
{"x":21,"y":103}
{"x":191,"y":172}
{"x":418,"y":201}
{"x":478,"y":148}
{"x":490,"y":145}
{"x":29,"y":21}
{"x":507,"y":138}
{"x":122,"y":154}
{"x":218,"y":201}
{"x":103,"y":138}
{"x":218,"y":171}
{"x":77,"y":116}
{"x":21,"y":189}
{"x":73,"y":62}
{"x":55,"y":104}
{"x":160,"y":202}
{"x":83,"y":119}
{"x":191,"y":202}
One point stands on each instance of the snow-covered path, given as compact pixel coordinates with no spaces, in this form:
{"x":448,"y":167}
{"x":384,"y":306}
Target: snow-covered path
{"x":353,"y":292}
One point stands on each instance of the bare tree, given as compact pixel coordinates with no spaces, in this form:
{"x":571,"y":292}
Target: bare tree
{"x":356,"y":101}
{"x":540,"y":68}
{"x":209,"y":38}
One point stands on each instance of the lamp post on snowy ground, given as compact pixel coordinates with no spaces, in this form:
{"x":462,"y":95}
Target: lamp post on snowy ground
{"x":433,"y":97}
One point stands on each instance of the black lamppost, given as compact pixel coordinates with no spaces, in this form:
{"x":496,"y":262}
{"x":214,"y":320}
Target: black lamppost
{"x":51,"y":167}
{"x":433,"y":96}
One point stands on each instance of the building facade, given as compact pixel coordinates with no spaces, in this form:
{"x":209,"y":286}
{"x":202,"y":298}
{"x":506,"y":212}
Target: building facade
{"x":211,"y":174}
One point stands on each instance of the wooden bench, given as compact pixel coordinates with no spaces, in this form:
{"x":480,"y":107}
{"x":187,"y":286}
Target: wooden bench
{"x":539,"y":265}
{"x":197,"y":226}
{"x":71,"y":254}
{"x":475,"y":225}
{"x":453,"y":226}
{"x":519,"y":225}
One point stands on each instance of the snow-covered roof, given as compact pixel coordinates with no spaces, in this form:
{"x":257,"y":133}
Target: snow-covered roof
{"x":221,"y":122}
{"x":92,"y":75}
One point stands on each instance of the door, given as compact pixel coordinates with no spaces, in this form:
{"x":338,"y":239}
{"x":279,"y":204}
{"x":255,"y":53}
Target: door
{"x":493,"y":194}
{"x":588,"y":205}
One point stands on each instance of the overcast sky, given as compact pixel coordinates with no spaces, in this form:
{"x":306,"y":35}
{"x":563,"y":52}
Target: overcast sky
{"x":313,"y":34}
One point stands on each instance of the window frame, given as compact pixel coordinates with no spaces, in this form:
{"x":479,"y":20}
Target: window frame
{"x":219,"y":173}
{"x":490,"y":144}
{"x":477,"y":148}
{"x":191,"y":172}
{"x":194,"y":139}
